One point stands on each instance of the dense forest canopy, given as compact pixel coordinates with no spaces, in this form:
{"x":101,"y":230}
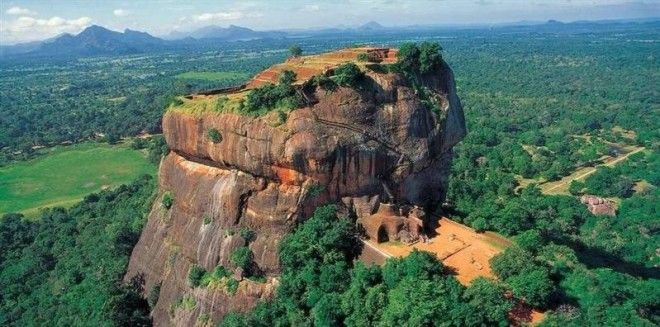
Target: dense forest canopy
{"x":66,"y":268}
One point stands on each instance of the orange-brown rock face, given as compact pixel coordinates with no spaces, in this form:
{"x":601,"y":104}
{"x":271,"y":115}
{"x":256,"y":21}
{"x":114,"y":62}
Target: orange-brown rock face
{"x":346,"y":147}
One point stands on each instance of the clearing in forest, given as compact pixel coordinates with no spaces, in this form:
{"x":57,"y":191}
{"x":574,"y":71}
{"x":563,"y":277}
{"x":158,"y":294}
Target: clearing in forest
{"x":67,"y":174}
{"x":459,"y":247}
{"x":561,"y":186}
{"x":465,"y":252}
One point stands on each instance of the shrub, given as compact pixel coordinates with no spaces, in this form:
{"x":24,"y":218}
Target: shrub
{"x":207,"y":220}
{"x":221,"y":102}
{"x":348,"y":75}
{"x":287,"y":77}
{"x":138,"y":143}
{"x":429,"y":57}
{"x":153,"y":296}
{"x":369,"y":57}
{"x":195,"y":275}
{"x":168,"y":200}
{"x":316,"y":189}
{"x":271,"y":96}
{"x":203,"y":318}
{"x":281,"y":117}
{"x":378,"y":68}
{"x":214,"y":135}
{"x":112,"y":138}
{"x":187,"y":302}
{"x":324,"y":82}
{"x":247,"y":234}
{"x":232,"y":286}
{"x":218,"y":273}
{"x":242,"y":257}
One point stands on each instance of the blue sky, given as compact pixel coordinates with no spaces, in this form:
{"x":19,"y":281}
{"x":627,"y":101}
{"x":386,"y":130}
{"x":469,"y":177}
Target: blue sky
{"x":28,"y":20}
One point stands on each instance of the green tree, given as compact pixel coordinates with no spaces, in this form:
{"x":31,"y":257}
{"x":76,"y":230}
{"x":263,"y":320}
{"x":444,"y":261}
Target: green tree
{"x":295,"y":51}
{"x":575,"y":187}
{"x":348,"y":75}
{"x":511,"y":262}
{"x":487,"y":299}
{"x":430,"y":58}
{"x":242,"y":257}
{"x":287,"y":77}
{"x":532,"y":286}
{"x":195,"y":275}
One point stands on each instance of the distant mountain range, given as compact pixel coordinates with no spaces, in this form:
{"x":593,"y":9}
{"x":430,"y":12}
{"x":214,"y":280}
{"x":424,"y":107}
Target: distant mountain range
{"x":97,"y":40}
{"x":231,"y":33}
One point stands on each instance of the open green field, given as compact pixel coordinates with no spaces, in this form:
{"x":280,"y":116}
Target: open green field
{"x":212,"y":76}
{"x":66,"y":174}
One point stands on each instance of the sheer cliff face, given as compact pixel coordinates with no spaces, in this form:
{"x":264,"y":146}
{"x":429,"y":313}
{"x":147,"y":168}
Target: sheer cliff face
{"x":349,"y":145}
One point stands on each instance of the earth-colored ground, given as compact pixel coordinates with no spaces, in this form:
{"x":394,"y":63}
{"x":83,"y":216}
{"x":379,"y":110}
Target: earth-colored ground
{"x":305,"y":68}
{"x":464,"y":251}
{"x":561,"y":186}
{"x":581,"y":173}
{"x":459,"y":247}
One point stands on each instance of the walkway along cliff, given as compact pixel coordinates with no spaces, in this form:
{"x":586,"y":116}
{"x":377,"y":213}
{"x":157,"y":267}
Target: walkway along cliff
{"x":233,"y":180}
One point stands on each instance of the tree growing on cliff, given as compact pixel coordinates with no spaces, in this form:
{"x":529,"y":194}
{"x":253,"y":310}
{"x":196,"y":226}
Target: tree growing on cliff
{"x":348,"y":75}
{"x":168,"y":200}
{"x":287,"y":77}
{"x":295,"y":51}
{"x":243,"y":258}
{"x":214,"y":135}
{"x":270,"y":96}
{"x":414,"y":60}
{"x":195,"y":275}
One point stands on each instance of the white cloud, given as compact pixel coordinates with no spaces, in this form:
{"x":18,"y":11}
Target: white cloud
{"x":121,"y":12}
{"x":20,"y":11}
{"x":310,"y":8}
{"x":225,"y":15}
{"x":27,"y":28}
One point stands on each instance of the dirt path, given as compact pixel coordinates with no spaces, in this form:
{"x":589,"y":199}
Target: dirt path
{"x":594,"y":169}
{"x":373,"y":247}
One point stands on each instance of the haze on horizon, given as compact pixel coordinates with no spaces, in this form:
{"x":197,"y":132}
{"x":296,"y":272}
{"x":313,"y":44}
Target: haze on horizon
{"x":32,"y":20}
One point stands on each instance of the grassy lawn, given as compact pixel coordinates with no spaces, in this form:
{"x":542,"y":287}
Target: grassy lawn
{"x":212,"y":76}
{"x":66,"y":174}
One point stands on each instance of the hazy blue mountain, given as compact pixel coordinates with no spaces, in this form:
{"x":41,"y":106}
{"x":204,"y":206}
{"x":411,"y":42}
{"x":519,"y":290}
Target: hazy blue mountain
{"x":371,"y":26}
{"x":231,"y":33}
{"x":100,"y":40}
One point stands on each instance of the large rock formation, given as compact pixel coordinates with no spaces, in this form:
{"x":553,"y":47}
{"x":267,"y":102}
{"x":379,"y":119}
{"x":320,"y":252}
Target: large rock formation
{"x":348,"y":146}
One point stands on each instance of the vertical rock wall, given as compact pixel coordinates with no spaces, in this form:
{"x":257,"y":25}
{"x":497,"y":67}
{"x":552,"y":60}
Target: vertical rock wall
{"x":350,"y":145}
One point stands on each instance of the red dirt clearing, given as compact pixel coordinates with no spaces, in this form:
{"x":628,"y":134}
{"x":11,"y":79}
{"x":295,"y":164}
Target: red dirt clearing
{"x":467,"y":253}
{"x":307,"y":66}
{"x":458,"y":247}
